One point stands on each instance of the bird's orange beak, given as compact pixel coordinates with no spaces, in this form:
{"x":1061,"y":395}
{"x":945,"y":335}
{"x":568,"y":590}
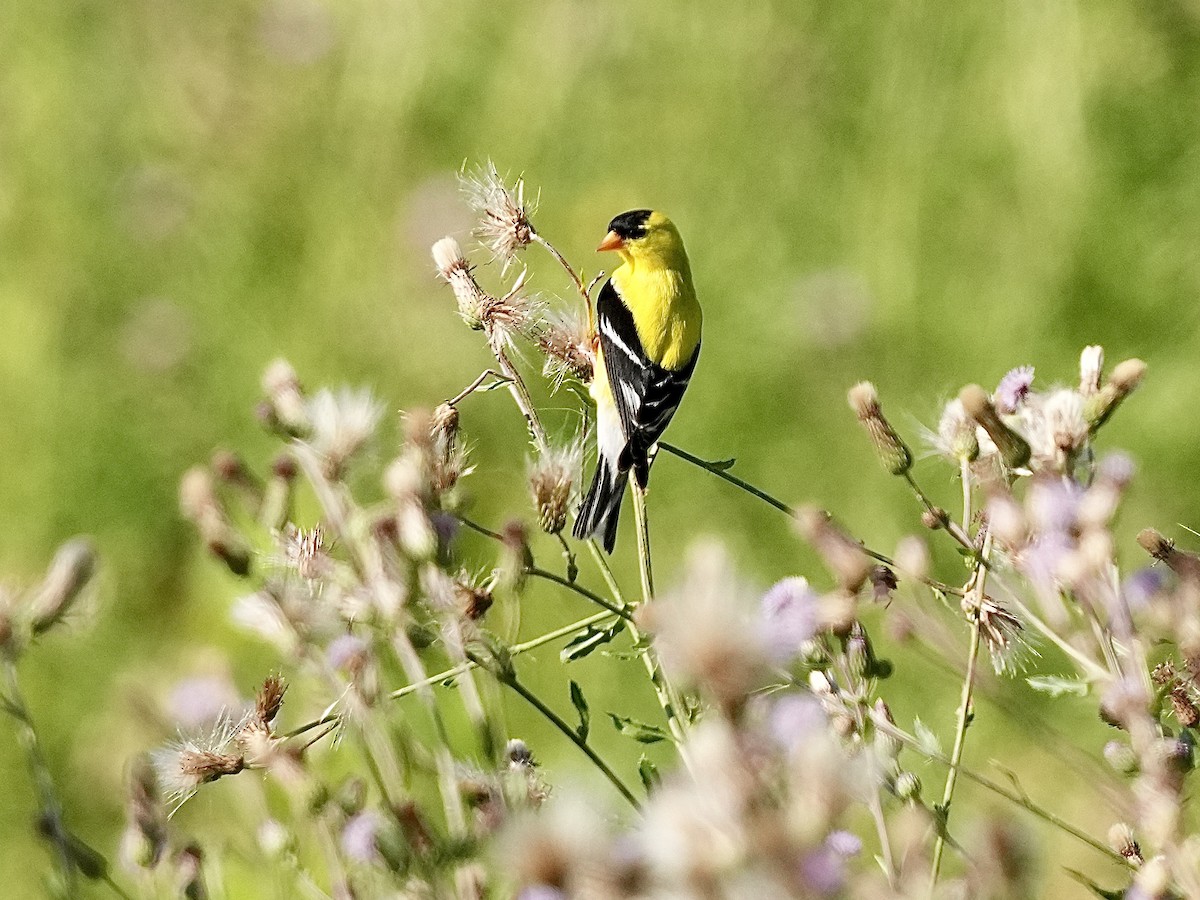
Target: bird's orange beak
{"x":612,"y":241}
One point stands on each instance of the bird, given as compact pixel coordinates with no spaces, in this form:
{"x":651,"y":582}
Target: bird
{"x":647,"y":333}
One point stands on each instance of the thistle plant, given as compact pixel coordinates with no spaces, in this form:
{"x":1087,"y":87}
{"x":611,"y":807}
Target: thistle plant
{"x":789,"y":772}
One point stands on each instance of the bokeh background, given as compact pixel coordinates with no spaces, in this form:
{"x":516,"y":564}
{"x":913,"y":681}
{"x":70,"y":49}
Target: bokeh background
{"x":920,"y":194}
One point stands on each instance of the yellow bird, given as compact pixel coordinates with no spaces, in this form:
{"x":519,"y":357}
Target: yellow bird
{"x":648,"y":324}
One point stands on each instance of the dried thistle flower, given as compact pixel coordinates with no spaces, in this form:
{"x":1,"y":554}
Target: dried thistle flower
{"x":1014,"y":387}
{"x":1091,"y":368}
{"x":1013,"y":448}
{"x":890,"y":449}
{"x":957,"y":435}
{"x":564,"y":339}
{"x":145,"y":838}
{"x":70,"y":572}
{"x":189,"y":762}
{"x":516,"y":559}
{"x":1122,"y":840}
{"x":285,"y":397}
{"x":448,"y":457}
{"x":1123,"y":381}
{"x":706,"y":632}
{"x":305,"y":552}
{"x":842,"y":555}
{"x":456,"y":271}
{"x":199,"y":503}
{"x":504,"y":226}
{"x":1183,"y":707}
{"x":1003,"y":635}
{"x":269,"y":699}
{"x":1065,"y":428}
{"x":553,"y":477}
{"x":342,"y":423}
{"x":473,"y":596}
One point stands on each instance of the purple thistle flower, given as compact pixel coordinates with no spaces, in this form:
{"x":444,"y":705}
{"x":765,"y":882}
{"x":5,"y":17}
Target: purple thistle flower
{"x":793,"y":718}
{"x":202,"y":700}
{"x":541,"y":892}
{"x":345,"y":651}
{"x":788,"y":617}
{"x":1053,"y":505}
{"x":359,"y":836}
{"x":1013,"y":388}
{"x":844,"y":844}
{"x":1141,"y":587}
{"x":824,"y":872}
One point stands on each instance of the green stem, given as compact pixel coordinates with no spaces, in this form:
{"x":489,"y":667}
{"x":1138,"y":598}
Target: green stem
{"x":643,"y":542}
{"x":960,"y":735}
{"x":999,"y":790}
{"x":515,"y":650}
{"x":668,"y":698}
{"x":722,"y":473}
{"x":51,"y":811}
{"x":510,"y":679}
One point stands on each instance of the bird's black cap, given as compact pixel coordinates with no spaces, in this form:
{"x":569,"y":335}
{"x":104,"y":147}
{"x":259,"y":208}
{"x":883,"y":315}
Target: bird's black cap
{"x":630,"y":225}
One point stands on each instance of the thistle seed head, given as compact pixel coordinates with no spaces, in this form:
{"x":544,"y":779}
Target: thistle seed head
{"x":504,"y":226}
{"x":957,"y":434}
{"x":342,"y":423}
{"x":553,"y":476}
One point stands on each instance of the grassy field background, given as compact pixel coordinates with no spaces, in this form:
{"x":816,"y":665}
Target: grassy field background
{"x":919,"y":194}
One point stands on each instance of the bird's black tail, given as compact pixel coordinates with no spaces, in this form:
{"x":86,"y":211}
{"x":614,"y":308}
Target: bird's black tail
{"x":602,"y":506}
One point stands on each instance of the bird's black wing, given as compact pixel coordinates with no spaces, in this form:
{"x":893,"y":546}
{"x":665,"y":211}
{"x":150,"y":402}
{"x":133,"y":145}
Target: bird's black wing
{"x":646,"y":394}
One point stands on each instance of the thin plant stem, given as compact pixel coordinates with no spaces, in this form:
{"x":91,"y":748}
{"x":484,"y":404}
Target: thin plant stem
{"x":668,"y":697}
{"x":999,"y":790}
{"x":562,"y":261}
{"x":454,"y":671}
{"x":620,"y":608}
{"x":885,"y":843}
{"x":474,"y":386}
{"x":50,"y":811}
{"x":953,"y":529}
{"x":974,"y":598}
{"x":520,"y":395}
{"x":721,"y":471}
{"x":510,"y":679}
{"x":960,"y":735}
{"x":643,"y":542}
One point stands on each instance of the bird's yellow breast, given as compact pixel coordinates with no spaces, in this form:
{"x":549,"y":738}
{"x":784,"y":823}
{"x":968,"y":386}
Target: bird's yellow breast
{"x":665,"y":310}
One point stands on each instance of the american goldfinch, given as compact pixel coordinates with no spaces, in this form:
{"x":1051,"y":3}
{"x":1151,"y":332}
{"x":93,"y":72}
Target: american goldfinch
{"x":648,"y":331}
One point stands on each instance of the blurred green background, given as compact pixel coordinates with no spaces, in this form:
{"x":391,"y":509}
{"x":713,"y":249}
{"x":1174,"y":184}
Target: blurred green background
{"x":921,"y":194}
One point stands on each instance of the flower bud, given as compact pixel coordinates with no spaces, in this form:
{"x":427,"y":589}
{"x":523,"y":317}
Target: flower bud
{"x":1014,"y":449}
{"x":890,"y":449}
{"x":1091,"y":366}
{"x":1123,"y":381}
{"x":842,"y":555}
{"x":285,"y":397}
{"x":1185,"y":565}
{"x":908,"y":786}
{"x":72,"y":568}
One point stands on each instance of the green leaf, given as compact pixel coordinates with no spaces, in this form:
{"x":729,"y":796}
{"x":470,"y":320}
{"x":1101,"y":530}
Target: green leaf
{"x":1095,"y":888}
{"x":648,"y":772}
{"x":723,"y":465}
{"x":590,"y":639}
{"x":1057,"y":686}
{"x":499,"y":382}
{"x":581,"y":707}
{"x":639,"y":731}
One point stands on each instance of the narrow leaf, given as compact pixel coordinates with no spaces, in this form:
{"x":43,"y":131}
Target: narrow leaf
{"x":590,"y":639}
{"x":581,"y":707}
{"x":639,"y":731}
{"x":648,"y":772}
